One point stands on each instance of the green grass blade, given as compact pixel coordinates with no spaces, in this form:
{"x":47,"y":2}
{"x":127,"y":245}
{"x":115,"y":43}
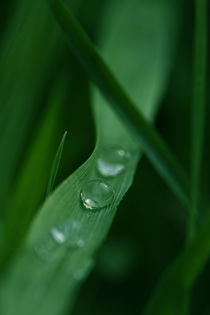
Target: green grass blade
{"x":61,"y":266}
{"x":147,"y":136}
{"x":56,"y":163}
{"x":30,"y":188}
{"x":181,"y":276}
{"x":198,"y":105}
{"x":28,"y":57}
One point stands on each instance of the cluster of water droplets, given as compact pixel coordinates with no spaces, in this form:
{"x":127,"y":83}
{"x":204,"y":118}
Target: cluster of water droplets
{"x":95,"y":194}
{"x":67,"y":234}
{"x":111,"y":162}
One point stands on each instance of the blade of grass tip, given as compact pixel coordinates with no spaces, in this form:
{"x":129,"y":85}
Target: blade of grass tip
{"x":153,"y":145}
{"x":55,"y":165}
{"x":198,"y":106}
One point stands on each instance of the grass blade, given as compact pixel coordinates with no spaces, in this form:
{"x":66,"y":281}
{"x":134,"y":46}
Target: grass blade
{"x":30,"y":187}
{"x":56,"y":164}
{"x":154,"y":146}
{"x":44,"y":262}
{"x":181,"y":276}
{"x":198,"y":106}
{"x":25,"y":70}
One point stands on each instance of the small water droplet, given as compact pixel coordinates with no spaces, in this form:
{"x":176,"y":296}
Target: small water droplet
{"x":79,"y":274}
{"x":68,"y":233}
{"x":112,"y":161}
{"x":82,"y":272}
{"x":76,"y":243}
{"x":96,"y":195}
{"x":58,"y":236}
{"x":45,"y":250}
{"x":80,"y":243}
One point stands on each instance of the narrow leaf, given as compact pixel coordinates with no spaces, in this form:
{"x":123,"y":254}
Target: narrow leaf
{"x":30,"y":187}
{"x":55,"y":165}
{"x":179,"y":279}
{"x":198,"y":106}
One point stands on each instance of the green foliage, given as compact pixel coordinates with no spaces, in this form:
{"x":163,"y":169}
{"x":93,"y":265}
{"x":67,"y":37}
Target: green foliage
{"x":50,"y":83}
{"x":198,"y":105}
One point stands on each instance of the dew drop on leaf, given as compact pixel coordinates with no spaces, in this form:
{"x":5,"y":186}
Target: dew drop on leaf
{"x":83,"y":271}
{"x":112,"y":161}
{"x":80,"y":243}
{"x":58,"y":236}
{"x":68,"y":232}
{"x":45,"y":250}
{"x":96,"y":195}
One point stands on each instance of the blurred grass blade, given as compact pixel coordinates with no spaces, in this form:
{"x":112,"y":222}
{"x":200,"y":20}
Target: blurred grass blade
{"x":28,"y":58}
{"x":60,"y":246}
{"x":179,"y":279}
{"x":56,"y":163}
{"x":154,"y":146}
{"x":23,"y":72}
{"x":30,"y":187}
{"x":198,"y":105}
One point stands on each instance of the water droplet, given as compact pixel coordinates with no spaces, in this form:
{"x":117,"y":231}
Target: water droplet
{"x":79,"y":274}
{"x":80,"y":243}
{"x":76,"y":243}
{"x":96,"y":195}
{"x":45,"y":250}
{"x":69,"y":233}
{"x":112,"y":161}
{"x":82,"y":272}
{"x":58,"y":236}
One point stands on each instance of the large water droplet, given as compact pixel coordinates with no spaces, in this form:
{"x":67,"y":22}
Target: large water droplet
{"x":112,"y":161}
{"x":96,"y":195}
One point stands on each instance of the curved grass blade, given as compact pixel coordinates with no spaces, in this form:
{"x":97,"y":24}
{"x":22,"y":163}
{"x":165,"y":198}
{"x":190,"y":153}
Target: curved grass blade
{"x":55,"y":165}
{"x":198,"y":106}
{"x":28,"y":57}
{"x":154,"y":146}
{"x":60,"y":247}
{"x":24,"y":70}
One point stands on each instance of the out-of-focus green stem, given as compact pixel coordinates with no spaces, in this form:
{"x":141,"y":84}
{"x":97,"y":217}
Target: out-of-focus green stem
{"x":175,"y":285}
{"x":198,"y":106}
